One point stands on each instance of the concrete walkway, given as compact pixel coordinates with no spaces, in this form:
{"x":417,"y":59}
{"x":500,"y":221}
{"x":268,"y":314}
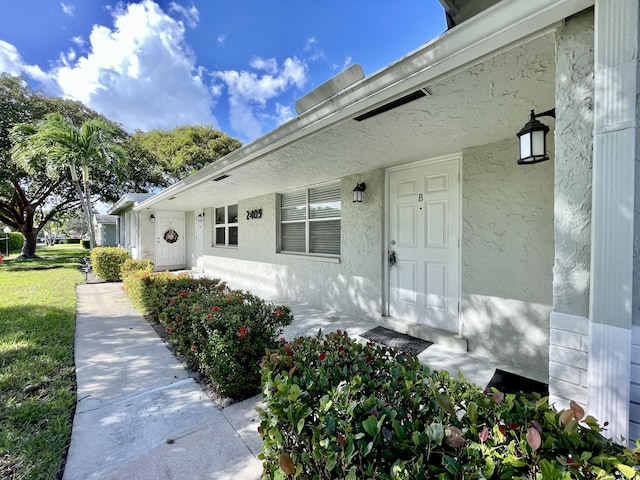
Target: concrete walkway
{"x":141,"y":416}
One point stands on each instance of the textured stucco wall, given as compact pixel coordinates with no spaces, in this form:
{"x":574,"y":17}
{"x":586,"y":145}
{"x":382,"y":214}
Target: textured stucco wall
{"x":569,"y":324}
{"x":507,"y":254}
{"x":190,"y":239}
{"x":574,"y":153}
{"x":352,"y":285}
{"x":636,"y":237}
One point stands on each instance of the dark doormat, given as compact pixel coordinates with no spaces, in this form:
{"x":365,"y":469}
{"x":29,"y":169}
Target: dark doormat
{"x":508,"y":382}
{"x":405,"y":343}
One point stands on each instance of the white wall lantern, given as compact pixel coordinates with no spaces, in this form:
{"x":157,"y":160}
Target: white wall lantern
{"x":357,"y":192}
{"x":533,"y":139}
{"x":152,"y":217}
{"x":201,"y":217}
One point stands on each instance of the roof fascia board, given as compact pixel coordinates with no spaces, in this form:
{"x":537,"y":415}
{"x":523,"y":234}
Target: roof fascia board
{"x":506,"y":23}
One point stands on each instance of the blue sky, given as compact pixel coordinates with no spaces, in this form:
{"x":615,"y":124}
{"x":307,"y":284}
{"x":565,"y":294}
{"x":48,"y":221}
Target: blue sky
{"x":236,"y":65}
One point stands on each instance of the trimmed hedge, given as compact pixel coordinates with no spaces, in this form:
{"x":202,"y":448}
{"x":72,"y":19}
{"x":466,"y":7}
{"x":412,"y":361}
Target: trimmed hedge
{"x":106,"y":262}
{"x":16,"y":241}
{"x":222,"y":333}
{"x":340,"y":409}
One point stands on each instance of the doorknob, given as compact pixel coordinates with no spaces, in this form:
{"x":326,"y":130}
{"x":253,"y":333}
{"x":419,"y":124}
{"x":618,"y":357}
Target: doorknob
{"x":392,"y":258}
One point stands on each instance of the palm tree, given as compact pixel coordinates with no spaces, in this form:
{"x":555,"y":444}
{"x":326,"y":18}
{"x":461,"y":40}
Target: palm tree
{"x":65,"y":146}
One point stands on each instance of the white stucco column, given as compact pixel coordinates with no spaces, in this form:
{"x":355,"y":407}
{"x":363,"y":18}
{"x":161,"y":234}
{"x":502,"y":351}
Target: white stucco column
{"x":612,"y":227}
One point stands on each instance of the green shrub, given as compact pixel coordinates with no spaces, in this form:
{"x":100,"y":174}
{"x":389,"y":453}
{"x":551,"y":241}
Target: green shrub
{"x":15,"y":242}
{"x":133,"y":274}
{"x":106,"y":262}
{"x":222,"y":333}
{"x":74,"y":241}
{"x":86,"y":243}
{"x":159,"y":288}
{"x":340,"y":409}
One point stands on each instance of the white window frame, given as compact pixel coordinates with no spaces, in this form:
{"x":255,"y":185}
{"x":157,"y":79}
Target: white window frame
{"x":308,"y":219}
{"x":226,"y":226}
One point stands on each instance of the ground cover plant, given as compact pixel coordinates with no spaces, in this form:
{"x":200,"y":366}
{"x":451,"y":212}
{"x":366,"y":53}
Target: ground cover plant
{"x":222,"y":333}
{"x":37,"y":380}
{"x":337,"y":409}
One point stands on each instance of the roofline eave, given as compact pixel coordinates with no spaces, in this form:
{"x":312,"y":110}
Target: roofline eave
{"x":503,"y":24}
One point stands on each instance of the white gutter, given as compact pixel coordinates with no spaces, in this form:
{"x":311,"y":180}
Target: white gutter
{"x":505,"y":23}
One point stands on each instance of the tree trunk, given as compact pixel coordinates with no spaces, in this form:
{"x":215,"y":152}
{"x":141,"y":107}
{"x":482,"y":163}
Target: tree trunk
{"x":29,"y":243}
{"x":84,"y":205}
{"x":87,"y":195}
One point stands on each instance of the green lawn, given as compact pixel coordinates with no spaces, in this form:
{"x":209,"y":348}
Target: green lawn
{"x":37,"y":379}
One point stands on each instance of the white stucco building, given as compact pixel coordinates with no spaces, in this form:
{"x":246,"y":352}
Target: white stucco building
{"x":453,"y":240}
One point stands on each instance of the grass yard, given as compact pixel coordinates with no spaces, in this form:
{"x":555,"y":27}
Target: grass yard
{"x":37,"y":380}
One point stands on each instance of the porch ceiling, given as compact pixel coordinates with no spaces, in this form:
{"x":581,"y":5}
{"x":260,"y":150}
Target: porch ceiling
{"x":481,"y":104}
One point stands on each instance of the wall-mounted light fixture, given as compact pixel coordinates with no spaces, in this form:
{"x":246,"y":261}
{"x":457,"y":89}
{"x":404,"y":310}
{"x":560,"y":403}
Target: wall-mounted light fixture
{"x":201,"y":217}
{"x":152,"y":217}
{"x":357,"y":192}
{"x":533,"y":139}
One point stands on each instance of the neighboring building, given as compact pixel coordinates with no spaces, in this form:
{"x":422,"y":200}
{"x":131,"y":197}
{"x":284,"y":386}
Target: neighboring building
{"x":127,"y":221}
{"x":453,"y":240}
{"x":105,"y":228}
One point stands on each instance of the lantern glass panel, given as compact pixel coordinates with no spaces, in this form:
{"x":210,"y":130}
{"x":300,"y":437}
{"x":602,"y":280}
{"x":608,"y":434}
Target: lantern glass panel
{"x":537,"y":143}
{"x":525,"y":145}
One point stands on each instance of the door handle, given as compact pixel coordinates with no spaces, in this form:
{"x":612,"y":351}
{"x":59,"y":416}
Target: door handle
{"x":392,"y":258}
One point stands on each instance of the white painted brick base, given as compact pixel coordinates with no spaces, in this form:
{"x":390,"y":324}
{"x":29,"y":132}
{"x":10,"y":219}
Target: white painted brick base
{"x":634,"y":407}
{"x":568,"y":359}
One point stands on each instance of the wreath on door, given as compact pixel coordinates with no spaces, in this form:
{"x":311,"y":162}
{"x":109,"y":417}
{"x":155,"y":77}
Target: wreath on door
{"x":171,"y":236}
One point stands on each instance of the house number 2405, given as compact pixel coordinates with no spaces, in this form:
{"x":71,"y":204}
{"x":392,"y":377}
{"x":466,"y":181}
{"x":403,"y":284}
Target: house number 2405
{"x":254,"y":214}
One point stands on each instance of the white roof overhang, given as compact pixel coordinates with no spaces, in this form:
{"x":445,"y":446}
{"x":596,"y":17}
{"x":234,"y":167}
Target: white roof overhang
{"x":483,"y":78}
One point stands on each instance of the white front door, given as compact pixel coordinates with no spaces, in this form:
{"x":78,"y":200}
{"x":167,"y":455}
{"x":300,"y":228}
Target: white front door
{"x":170,"y":240}
{"x":424,"y":236}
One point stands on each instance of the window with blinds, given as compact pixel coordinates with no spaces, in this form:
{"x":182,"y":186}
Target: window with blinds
{"x":225,"y":226}
{"x":310,"y":220}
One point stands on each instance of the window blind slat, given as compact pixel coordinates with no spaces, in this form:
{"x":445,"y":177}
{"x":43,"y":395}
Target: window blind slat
{"x":321,"y":214}
{"x":293,"y":237}
{"x":324,"y":237}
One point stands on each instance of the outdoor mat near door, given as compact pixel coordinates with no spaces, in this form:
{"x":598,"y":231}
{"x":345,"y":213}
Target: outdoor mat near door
{"x":508,"y":382}
{"x":405,"y":343}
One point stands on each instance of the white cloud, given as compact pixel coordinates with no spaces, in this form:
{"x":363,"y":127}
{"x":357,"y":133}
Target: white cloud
{"x":79,"y":41}
{"x":311,"y":42}
{"x":222,"y":38}
{"x":191,"y":14}
{"x":283,"y":113}
{"x":269,"y":65}
{"x":10,"y":59}
{"x":140,"y":73}
{"x":11,"y":62}
{"x":249,"y":92}
{"x":315,"y":52}
{"x":67,"y":9}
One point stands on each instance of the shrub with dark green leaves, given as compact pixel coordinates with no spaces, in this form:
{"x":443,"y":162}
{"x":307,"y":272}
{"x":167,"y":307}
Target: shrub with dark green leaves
{"x":222,"y":333}
{"x":338,"y":409}
{"x":15,"y":242}
{"x":106,"y":262}
{"x":159,"y":288}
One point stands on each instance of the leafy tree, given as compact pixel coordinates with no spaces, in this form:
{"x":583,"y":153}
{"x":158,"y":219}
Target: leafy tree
{"x":30,"y":198}
{"x":57,"y":144}
{"x":75,"y":224}
{"x":186,"y":149}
